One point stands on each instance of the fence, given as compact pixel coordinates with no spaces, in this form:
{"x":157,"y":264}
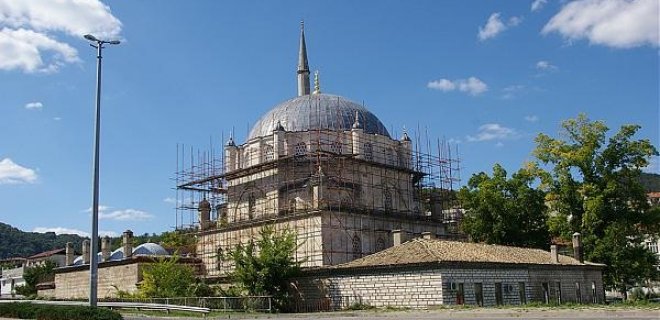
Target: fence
{"x":251,"y":303}
{"x":257,"y":303}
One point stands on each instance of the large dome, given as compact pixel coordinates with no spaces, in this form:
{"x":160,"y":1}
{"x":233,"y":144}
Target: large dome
{"x":317,"y":112}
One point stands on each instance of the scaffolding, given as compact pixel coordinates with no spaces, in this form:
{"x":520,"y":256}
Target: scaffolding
{"x":378,"y":181}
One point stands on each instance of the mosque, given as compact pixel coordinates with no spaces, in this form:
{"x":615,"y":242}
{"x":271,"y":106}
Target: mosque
{"x":323,"y":166}
{"x":374,"y":217}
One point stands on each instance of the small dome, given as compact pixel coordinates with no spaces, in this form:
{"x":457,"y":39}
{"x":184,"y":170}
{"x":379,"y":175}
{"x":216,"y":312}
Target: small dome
{"x":150,"y":249}
{"x":317,"y":112}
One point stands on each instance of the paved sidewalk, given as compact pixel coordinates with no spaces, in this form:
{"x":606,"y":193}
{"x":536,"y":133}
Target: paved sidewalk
{"x":476,"y":314}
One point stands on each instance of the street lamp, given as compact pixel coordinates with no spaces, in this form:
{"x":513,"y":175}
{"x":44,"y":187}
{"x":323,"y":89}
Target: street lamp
{"x":93,"y":261}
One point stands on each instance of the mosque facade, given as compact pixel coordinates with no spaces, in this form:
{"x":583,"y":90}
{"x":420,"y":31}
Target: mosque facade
{"x":320,"y":165}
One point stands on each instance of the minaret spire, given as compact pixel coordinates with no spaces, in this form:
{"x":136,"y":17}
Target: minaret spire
{"x":303,"y":66}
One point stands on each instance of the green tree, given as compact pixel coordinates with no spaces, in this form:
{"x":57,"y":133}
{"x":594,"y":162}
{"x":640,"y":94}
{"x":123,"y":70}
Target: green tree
{"x":35,"y":275}
{"x":167,"y":278}
{"x":505,"y":211}
{"x":594,"y":188}
{"x":267,"y":265}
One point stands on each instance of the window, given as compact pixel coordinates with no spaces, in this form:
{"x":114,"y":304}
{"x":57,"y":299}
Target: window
{"x":251,"y":206}
{"x":653,"y":246}
{"x":558,"y":288}
{"x":268,"y":153}
{"x":460,"y":294}
{"x":219,"y":258}
{"x":479,"y":294}
{"x":578,"y":293}
{"x":357,"y":247}
{"x":368,"y":151}
{"x":335,"y":147}
{"x":387,"y":200}
{"x":522,"y":293}
{"x":593,"y":293}
{"x":380,"y":244}
{"x":300,"y":149}
{"x":389,"y":156}
{"x":498,"y":294}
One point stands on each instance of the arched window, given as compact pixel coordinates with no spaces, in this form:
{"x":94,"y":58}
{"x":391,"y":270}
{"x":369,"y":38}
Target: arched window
{"x":357,"y":247}
{"x":387,"y":199}
{"x":251,"y":206}
{"x":220,"y":258}
{"x":389,"y":156}
{"x":335,"y":147}
{"x":380,"y":244}
{"x":368,"y":151}
{"x":267,"y":153}
{"x":300,"y":149}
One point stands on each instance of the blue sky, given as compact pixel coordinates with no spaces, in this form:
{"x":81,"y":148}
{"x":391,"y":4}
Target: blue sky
{"x":485,"y":75}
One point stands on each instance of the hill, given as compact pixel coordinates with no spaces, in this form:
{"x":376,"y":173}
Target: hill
{"x":17,"y":243}
{"x":650,"y":181}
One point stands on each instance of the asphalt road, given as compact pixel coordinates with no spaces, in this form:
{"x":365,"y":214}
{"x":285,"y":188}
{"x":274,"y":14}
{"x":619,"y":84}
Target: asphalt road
{"x":531,"y":314}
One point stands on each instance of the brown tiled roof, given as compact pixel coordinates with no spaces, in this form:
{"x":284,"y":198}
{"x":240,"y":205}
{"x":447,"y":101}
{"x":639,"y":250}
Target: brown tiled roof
{"x":47,"y":253}
{"x":419,"y":251}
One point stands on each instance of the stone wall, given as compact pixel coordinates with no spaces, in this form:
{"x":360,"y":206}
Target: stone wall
{"x":74,"y":284}
{"x":424,"y":287}
{"x":405,"y":289}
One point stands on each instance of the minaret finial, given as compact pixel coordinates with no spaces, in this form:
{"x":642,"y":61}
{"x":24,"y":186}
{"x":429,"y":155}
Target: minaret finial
{"x":356,"y":124}
{"x":303,"y":65}
{"x":317,"y":83}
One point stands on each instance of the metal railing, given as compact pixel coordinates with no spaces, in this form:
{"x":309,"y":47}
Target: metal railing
{"x":249,"y":303}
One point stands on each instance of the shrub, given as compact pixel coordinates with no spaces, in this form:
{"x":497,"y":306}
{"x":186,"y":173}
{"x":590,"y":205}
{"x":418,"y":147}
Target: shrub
{"x":55,"y":312}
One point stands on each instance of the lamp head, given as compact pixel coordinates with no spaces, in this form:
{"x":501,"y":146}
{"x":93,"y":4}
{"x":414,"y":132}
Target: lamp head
{"x":114,"y":42}
{"x":91,"y":38}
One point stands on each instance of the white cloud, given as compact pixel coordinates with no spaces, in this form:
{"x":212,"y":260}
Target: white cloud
{"x":471,"y":85}
{"x":34,"y":105}
{"x":29,"y":27}
{"x":613,"y":23}
{"x":532,"y":118}
{"x":169,"y":200}
{"x":111,"y":234}
{"x":57,"y":118}
{"x":538,"y":5}
{"x":442,"y":85}
{"x":125,"y":215}
{"x":493,"y":131}
{"x":654,"y":165}
{"x":495,"y":26}
{"x":101,"y":208}
{"x":25,"y":49}
{"x":545,"y":65}
{"x":61,"y":230}
{"x":512,"y":91}
{"x":12,"y":173}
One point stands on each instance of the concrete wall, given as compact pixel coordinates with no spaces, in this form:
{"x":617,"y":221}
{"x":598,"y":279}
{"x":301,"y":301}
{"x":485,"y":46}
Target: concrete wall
{"x":75,"y":284}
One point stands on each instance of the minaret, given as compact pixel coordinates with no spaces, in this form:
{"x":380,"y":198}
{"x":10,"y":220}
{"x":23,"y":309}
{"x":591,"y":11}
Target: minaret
{"x":303,"y":66}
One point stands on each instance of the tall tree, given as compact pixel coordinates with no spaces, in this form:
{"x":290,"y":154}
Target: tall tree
{"x":594,"y":188}
{"x":505,"y":211}
{"x":267,"y":265}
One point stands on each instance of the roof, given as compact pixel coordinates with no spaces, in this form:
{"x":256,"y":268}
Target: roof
{"x":145,"y":249}
{"x":420,"y":251}
{"x":48,"y":253}
{"x":317,"y":112}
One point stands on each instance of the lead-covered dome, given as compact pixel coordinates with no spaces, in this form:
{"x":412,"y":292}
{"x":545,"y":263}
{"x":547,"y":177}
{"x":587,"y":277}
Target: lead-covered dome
{"x":317,"y":112}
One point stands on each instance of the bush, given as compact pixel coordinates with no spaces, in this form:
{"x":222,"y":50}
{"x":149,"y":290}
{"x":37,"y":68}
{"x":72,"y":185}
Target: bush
{"x":55,"y":312}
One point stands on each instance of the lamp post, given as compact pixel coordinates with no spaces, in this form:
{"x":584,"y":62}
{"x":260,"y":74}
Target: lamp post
{"x":93,"y":261}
